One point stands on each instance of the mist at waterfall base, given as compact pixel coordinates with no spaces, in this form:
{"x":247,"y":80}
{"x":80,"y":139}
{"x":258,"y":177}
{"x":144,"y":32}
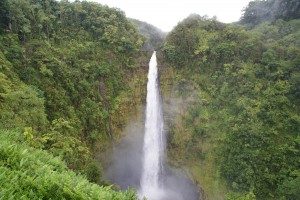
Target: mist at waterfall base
{"x":126,"y":168}
{"x":138,"y":160}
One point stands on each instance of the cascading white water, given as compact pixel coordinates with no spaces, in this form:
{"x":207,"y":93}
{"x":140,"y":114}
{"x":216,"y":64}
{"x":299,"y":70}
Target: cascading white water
{"x":140,"y":164}
{"x":153,"y":149}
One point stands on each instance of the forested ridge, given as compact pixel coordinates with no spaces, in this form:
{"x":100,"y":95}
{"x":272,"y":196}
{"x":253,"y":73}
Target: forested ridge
{"x":64,"y":70}
{"x":239,"y":132}
{"x":154,"y":37}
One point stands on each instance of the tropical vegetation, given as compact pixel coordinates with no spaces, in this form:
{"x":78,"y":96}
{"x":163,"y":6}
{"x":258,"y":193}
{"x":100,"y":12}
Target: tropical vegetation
{"x":241,"y":126}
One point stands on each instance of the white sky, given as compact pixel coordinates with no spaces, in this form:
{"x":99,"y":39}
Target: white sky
{"x":165,"y":14}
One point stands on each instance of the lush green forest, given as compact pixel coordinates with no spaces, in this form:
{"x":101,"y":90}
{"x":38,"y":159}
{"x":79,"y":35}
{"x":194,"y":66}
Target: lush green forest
{"x":72,"y":74}
{"x":154,"y":37}
{"x":67,"y":86}
{"x":28,"y":173}
{"x":238,"y":133}
{"x":269,"y":11}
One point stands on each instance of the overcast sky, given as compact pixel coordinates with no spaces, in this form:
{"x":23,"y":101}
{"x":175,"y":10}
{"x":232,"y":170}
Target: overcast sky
{"x":165,"y":14}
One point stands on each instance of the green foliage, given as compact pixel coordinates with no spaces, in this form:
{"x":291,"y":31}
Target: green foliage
{"x":94,"y":172}
{"x":62,"y":141}
{"x":3,"y":15}
{"x":270,"y":10}
{"x":28,"y":173}
{"x":250,"y":114}
{"x":170,"y":53}
{"x":63,"y":73}
{"x":290,"y":188}
{"x":73,"y":60}
{"x":234,"y":196}
{"x":27,"y":112}
{"x":154,"y":37}
{"x":21,"y":105}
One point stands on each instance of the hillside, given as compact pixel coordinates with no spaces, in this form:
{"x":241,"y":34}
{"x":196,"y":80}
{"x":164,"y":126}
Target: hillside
{"x":237,"y":126}
{"x":29,"y":173}
{"x":154,"y":36}
{"x":68,"y":78}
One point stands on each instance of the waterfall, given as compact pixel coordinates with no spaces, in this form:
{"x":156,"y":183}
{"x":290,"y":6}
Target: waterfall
{"x":153,"y":149}
{"x":139,"y":160}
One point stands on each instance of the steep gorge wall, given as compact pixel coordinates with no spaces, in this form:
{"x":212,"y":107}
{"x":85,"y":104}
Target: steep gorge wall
{"x":189,"y":150}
